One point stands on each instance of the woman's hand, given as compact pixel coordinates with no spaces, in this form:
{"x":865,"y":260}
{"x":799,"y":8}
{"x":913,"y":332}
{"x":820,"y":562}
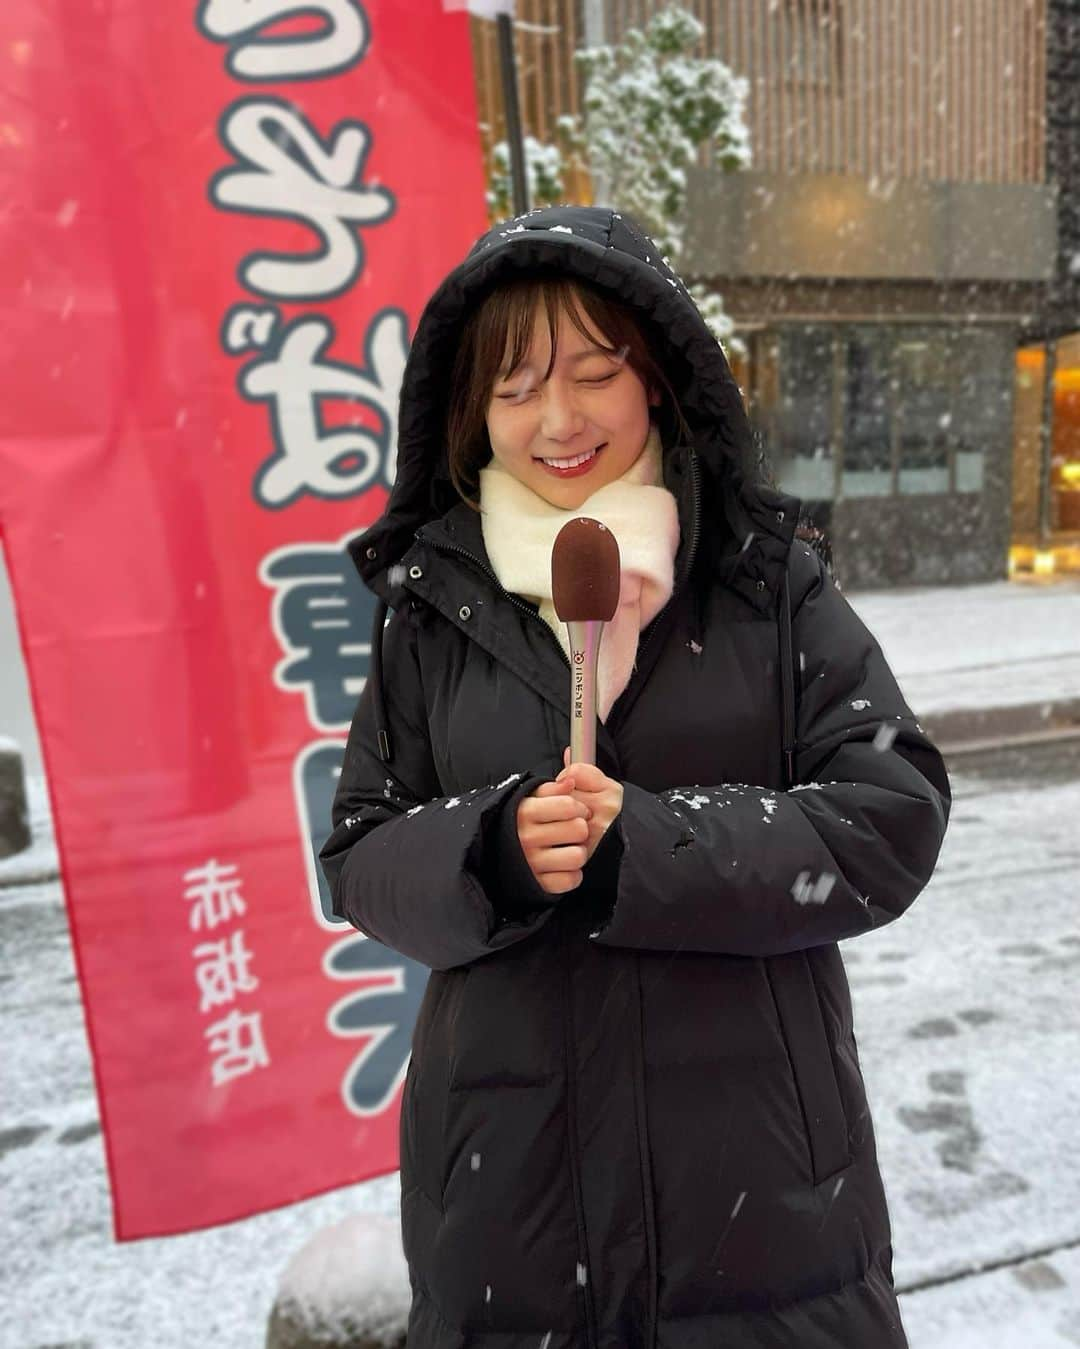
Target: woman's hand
{"x":603,"y":797}
{"x":553,"y":828}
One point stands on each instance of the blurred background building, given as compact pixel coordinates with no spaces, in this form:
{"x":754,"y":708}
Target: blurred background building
{"x":902,"y":261}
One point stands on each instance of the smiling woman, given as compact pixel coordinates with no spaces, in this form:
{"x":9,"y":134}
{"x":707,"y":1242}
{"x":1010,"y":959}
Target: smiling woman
{"x":633,"y":1114}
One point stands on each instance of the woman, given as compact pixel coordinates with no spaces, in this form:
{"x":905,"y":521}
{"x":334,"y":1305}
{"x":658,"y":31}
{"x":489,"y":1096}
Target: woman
{"x":634,"y":1114}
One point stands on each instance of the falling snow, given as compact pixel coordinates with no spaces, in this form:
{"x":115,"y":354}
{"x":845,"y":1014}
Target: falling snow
{"x":807,"y":891}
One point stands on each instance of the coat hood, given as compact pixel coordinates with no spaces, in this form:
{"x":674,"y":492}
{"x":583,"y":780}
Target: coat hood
{"x":747,"y":526}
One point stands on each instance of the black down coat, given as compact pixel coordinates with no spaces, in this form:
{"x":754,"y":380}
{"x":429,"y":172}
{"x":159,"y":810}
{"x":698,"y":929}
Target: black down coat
{"x":633,"y":1115}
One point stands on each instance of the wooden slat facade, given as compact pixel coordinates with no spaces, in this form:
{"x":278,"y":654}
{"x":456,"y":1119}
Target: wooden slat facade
{"x":943,"y":90}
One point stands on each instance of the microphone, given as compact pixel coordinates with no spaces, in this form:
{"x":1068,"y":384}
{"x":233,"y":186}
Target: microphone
{"x":585,"y":591}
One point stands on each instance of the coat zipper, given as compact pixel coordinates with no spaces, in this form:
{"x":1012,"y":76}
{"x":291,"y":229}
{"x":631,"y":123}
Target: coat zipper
{"x":571,"y":1075}
{"x":480,"y":566}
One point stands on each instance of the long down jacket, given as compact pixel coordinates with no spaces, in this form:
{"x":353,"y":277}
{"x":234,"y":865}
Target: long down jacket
{"x":633,"y":1115}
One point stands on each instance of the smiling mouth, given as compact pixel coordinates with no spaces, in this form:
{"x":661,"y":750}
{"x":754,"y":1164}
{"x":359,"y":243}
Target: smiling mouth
{"x":572,"y":463}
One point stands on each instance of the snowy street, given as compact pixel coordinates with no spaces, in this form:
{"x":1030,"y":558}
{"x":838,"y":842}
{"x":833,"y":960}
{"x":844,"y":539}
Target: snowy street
{"x":967,"y":1014}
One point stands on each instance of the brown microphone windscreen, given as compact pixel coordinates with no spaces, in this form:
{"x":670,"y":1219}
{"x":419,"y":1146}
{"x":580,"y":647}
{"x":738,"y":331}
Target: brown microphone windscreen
{"x":585,"y":571}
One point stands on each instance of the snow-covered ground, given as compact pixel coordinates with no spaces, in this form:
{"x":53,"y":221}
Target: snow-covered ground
{"x":968,"y":1020}
{"x":995,"y":645}
{"x":967,"y":1016}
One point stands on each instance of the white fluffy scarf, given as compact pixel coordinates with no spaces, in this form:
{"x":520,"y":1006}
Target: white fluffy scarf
{"x":519,"y":532}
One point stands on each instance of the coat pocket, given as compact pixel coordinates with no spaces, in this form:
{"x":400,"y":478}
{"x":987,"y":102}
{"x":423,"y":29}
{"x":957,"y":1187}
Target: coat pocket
{"x":802,"y":1025}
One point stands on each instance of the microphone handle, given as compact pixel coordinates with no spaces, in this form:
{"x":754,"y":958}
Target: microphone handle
{"x":585,"y":635}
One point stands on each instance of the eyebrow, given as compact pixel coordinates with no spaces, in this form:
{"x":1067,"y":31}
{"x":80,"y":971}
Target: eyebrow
{"x":574,"y":360}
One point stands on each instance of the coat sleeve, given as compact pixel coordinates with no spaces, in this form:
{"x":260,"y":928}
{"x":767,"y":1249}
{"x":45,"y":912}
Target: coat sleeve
{"x":441,"y":879}
{"x":746,"y":870}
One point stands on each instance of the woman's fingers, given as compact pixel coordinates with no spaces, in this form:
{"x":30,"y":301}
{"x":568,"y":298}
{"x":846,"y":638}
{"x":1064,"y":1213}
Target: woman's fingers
{"x":559,"y":882}
{"x":554,"y":834}
{"x":553,"y":830}
{"x":569,"y":857}
{"x":586,"y":777}
{"x":552,"y":801}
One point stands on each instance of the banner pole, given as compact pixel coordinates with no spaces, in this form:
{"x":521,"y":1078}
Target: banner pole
{"x":512,"y":112}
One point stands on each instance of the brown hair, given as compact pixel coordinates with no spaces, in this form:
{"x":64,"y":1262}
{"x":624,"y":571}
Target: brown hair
{"x":507,"y":313}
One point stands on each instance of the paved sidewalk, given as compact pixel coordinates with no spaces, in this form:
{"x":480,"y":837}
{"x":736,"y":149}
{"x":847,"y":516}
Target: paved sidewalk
{"x":984,"y":663}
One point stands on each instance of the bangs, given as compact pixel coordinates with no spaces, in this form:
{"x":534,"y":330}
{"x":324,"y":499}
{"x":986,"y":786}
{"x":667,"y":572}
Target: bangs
{"x":511,"y":331}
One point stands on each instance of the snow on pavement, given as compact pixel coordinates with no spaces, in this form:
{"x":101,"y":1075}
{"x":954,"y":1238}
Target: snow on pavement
{"x":1028,"y":1306}
{"x":967,"y":1018}
{"x":63,"y":1280}
{"x":994,"y":645}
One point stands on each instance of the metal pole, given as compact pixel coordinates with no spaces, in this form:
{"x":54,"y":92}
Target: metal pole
{"x":596,"y":36}
{"x":508,"y":69}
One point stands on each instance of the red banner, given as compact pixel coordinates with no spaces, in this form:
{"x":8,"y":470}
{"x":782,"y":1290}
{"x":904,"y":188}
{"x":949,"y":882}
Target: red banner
{"x":221,"y":223}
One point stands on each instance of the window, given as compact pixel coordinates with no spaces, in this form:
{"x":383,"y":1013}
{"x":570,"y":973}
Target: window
{"x":789,"y":380}
{"x":923,"y":414}
{"x":953,"y":397}
{"x":803,"y":426}
{"x":867,"y":412}
{"x":875,"y":409}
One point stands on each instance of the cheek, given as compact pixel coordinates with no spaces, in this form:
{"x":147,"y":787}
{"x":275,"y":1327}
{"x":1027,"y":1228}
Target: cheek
{"x":511,"y":428}
{"x":635,"y":412}
{"x":495,"y":430}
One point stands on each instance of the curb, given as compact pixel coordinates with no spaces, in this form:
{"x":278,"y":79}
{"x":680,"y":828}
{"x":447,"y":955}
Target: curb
{"x":17,"y":880}
{"x":966,"y":730}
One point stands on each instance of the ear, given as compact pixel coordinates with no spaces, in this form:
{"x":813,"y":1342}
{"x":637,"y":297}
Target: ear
{"x":655,"y":398}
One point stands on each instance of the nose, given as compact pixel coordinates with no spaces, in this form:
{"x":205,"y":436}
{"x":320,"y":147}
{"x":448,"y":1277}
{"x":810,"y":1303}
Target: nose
{"x":560,"y":418}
